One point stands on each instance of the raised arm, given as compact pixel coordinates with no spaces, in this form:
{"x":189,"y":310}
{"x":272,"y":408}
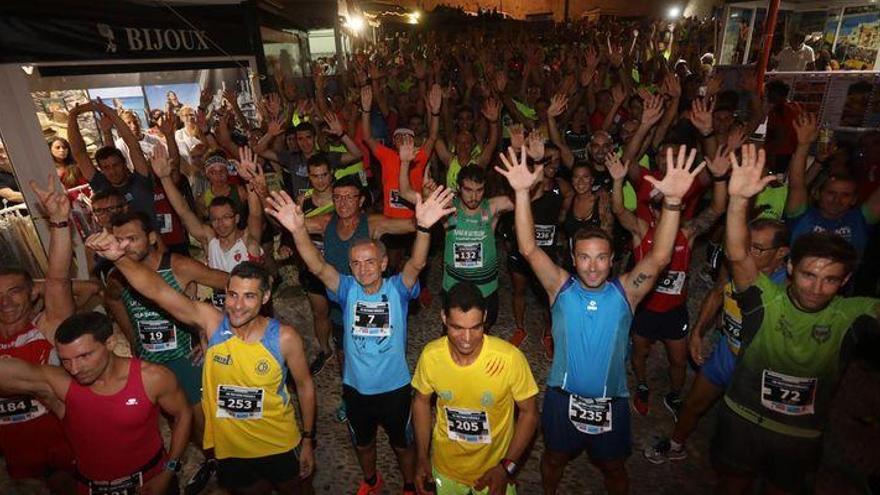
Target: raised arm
{"x":672,"y":91}
{"x":24,"y":378}
{"x":146,"y":281}
{"x":138,"y":160}
{"x":491,"y":111}
{"x":557,"y":107}
{"x":366,"y":104}
{"x":434,"y":101}
{"x":188,"y":270}
{"x":264,"y":144}
{"x":628,"y":220}
{"x":618,"y":96}
{"x":290,"y":216}
{"x":191,"y":222}
{"x":679,"y":177}
{"x":651,"y":114}
{"x":77,"y":143}
{"x":168,"y":127}
{"x":798,"y":196}
{"x":551,"y":276}
{"x":700,"y":224}
{"x":253,"y":174}
{"x":352,"y":152}
{"x":407,"y":155}
{"x":58,"y":296}
{"x":429,"y":212}
{"x":746,"y":181}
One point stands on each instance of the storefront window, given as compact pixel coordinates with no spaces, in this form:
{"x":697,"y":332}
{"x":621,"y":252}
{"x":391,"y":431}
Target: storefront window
{"x":859,"y":38}
{"x":736,"y":35}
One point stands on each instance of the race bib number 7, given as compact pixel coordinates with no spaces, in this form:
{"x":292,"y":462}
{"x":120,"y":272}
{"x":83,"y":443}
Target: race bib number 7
{"x":590,"y":416}
{"x":463,"y":425}
{"x":786,"y":394}
{"x":372,"y":319}
{"x":239,"y":402}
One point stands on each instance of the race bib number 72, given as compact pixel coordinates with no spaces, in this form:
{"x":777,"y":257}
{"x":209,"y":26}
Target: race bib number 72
{"x":791,"y":395}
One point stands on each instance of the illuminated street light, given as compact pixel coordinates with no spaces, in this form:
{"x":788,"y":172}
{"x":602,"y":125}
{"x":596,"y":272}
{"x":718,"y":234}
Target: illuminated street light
{"x":674,"y":12}
{"x":355,"y":23}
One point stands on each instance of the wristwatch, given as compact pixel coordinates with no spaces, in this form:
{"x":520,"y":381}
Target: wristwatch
{"x":509,"y":466}
{"x":173,"y":465}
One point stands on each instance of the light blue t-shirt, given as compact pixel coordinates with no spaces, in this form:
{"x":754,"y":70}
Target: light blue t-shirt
{"x":853,"y":226}
{"x":591,"y":336}
{"x":374,"y":333}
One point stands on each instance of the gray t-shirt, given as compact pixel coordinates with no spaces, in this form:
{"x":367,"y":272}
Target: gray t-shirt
{"x":138,"y":191}
{"x":296,"y":172}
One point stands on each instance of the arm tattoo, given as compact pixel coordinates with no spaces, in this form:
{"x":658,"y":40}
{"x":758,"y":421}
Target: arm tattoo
{"x":641,"y":278}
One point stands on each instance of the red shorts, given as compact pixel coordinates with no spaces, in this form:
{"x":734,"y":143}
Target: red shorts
{"x":35,"y":448}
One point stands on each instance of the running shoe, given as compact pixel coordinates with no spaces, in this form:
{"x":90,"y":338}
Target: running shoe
{"x":672,"y":401}
{"x":663,"y":451}
{"x":200,"y":479}
{"x":367,"y":489}
{"x":341,"y":413}
{"x":518,"y":336}
{"x":641,"y":399}
{"x":319,"y":362}
{"x":547,"y":340}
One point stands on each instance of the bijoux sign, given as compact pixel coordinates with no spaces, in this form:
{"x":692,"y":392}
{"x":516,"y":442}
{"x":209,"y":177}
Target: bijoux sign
{"x":155,"y":39}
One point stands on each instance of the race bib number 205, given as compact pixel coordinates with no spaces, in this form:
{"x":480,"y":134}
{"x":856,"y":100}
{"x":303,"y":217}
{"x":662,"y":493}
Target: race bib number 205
{"x":467,"y":426}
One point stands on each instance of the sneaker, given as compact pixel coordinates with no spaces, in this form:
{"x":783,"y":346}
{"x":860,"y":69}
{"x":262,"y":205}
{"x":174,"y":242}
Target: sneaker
{"x":663,"y":451}
{"x":365,"y":489}
{"x":640,"y":400}
{"x":518,"y":336}
{"x":547,"y":340}
{"x":319,"y":362}
{"x":672,"y":401}
{"x":425,"y":298}
{"x":200,"y":479}
{"x":341,"y":413}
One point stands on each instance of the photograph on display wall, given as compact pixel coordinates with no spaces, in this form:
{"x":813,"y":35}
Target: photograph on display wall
{"x":124,"y":98}
{"x":859,"y":37}
{"x":176,"y":95}
{"x":52,"y":108}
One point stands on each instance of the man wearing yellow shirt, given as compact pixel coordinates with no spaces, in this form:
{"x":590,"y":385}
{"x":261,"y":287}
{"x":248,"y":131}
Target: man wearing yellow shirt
{"x":477,"y":379}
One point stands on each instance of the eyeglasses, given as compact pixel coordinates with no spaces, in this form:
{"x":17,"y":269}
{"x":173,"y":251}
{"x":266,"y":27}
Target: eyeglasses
{"x":223,"y":218}
{"x":107,"y":209}
{"x":761,"y":249}
{"x":346,"y":198}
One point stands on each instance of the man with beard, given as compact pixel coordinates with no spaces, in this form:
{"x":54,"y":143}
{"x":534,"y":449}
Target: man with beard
{"x":110,"y":408}
{"x":376,"y":377}
{"x":249,"y":414}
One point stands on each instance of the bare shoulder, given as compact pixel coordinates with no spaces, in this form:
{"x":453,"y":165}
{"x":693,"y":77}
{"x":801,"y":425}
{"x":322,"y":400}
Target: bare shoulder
{"x":158,"y":379}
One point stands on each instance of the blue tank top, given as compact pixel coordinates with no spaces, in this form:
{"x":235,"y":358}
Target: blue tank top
{"x":591,"y":335}
{"x":336,"y":250}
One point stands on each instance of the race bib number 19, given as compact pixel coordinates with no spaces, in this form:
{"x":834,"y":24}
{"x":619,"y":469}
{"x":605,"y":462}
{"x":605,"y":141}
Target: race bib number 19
{"x":791,"y":395}
{"x":467,"y":426}
{"x":590,"y":416}
{"x":157,"y":335}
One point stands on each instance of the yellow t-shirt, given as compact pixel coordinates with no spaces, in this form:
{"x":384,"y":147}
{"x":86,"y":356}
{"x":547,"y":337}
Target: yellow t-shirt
{"x":248,"y":412}
{"x":475,"y":405}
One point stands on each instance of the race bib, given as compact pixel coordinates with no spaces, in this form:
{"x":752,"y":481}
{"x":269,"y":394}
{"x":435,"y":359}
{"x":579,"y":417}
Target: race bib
{"x":590,"y":416}
{"x":163,"y":221}
{"x":19,"y":409}
{"x":791,"y":395}
{"x":732,"y":329}
{"x":122,"y":486}
{"x":463,"y":425}
{"x":467,"y":254}
{"x":372,"y":319}
{"x":157,"y":335}
{"x":672,"y":283}
{"x":545,"y":234}
{"x":395,"y":201}
{"x":219,"y":299}
{"x":239,"y":402}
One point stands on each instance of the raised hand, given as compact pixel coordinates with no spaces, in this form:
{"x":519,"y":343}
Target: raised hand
{"x":434,"y":98}
{"x":720,"y":164}
{"x":407,"y":149}
{"x":437,"y":206}
{"x":517,"y":136}
{"x":671,"y":85}
{"x":160,"y":163}
{"x":714,"y":85}
{"x":285,"y":211}
{"x":202,"y":121}
{"x":679,"y":176}
{"x":231,"y":96}
{"x":558,"y":104}
{"x":335,"y":126}
{"x":277,"y":127}
{"x":615,"y":167}
{"x":517,"y":172}
{"x":652,"y":108}
{"x":273,"y":104}
{"x":618,"y":94}
{"x":701,"y":115}
{"x":366,"y":98}
{"x":247,"y":163}
{"x":591,"y":57}
{"x":500,"y":81}
{"x":491,"y":109}
{"x":105,"y":245}
{"x":735,"y":138}
{"x":535,"y":145}
{"x":205,"y":98}
{"x":168,"y":123}
{"x":747,"y":178}
{"x":54,"y":200}
{"x":806,"y":128}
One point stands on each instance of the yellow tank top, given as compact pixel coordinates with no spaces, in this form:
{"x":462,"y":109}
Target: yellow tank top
{"x":248,"y":411}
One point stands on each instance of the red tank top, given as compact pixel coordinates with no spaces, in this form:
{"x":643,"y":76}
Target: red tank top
{"x":28,"y":345}
{"x":169,"y":224}
{"x":671,"y":289}
{"x":113,"y":436}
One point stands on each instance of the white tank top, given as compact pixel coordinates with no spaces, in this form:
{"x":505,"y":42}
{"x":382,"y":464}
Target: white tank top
{"x":219,"y":259}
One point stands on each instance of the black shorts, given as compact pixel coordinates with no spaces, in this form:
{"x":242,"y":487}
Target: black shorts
{"x":311,"y":283}
{"x":491,"y":308}
{"x":742,"y":447}
{"x":399,"y":241}
{"x":390,"y":409}
{"x":669,"y":325}
{"x":236,"y":473}
{"x":560,"y":435}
